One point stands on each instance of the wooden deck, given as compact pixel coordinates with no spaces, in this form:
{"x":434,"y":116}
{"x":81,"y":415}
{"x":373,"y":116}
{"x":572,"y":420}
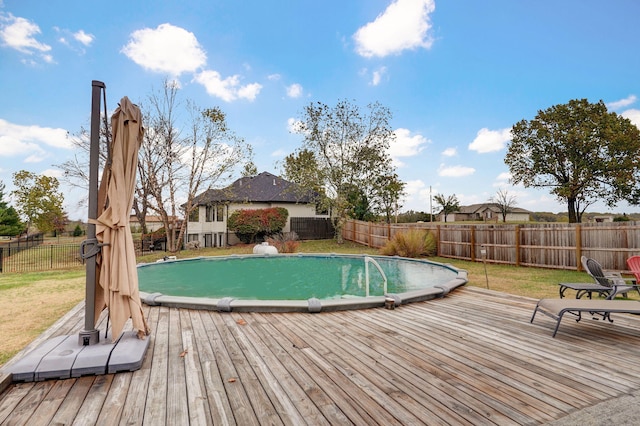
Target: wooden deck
{"x":470,"y":358}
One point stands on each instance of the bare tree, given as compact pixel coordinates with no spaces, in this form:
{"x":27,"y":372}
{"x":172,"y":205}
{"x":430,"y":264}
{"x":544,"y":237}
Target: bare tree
{"x":179,"y":164}
{"x":505,"y":202}
{"x":177,"y":160}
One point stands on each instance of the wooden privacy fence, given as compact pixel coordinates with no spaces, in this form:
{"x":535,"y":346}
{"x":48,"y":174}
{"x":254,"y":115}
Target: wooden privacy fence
{"x":541,"y":245}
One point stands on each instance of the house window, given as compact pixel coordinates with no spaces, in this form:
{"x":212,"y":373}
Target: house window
{"x":219,"y":213}
{"x":192,"y":237}
{"x":209,"y":213}
{"x":195,"y":215}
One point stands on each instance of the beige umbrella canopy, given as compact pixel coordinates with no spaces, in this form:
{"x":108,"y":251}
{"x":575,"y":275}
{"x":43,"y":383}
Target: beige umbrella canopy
{"x":116,"y":273}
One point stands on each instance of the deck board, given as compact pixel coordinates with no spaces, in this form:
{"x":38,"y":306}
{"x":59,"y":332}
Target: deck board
{"x":472,"y":357}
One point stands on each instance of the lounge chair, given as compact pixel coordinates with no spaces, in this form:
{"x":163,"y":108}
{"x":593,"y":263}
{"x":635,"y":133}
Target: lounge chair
{"x":588,"y":289}
{"x":633,"y":263}
{"x":556,"y":308}
{"x":585,"y":288}
{"x":615,"y":281}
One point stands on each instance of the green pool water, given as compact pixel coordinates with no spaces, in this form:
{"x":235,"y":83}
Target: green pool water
{"x":289,"y":277}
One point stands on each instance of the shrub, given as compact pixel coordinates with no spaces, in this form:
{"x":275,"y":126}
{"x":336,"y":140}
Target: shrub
{"x":285,"y":242}
{"x":77,"y":231}
{"x":411,"y":243}
{"x":253,"y":225}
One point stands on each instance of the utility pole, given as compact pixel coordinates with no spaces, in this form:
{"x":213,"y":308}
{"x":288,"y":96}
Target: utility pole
{"x":430,"y":206}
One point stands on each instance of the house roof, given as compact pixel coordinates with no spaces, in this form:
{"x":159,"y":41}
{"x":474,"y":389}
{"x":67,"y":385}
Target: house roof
{"x":262,"y":188}
{"x":494,"y":207}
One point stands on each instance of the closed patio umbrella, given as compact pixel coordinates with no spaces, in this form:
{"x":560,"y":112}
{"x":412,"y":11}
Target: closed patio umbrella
{"x":116,"y":274}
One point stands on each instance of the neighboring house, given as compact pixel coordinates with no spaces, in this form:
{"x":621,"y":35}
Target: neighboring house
{"x":602,"y":218}
{"x":487,"y":212}
{"x":153,"y":223}
{"x":208,"y":223}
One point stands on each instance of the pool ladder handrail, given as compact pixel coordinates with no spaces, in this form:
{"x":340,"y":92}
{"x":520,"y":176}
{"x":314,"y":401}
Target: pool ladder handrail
{"x":367,"y":260}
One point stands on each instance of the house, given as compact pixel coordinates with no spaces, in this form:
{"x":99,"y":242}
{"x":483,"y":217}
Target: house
{"x":153,"y":223}
{"x":208,"y":223}
{"x":487,"y":212}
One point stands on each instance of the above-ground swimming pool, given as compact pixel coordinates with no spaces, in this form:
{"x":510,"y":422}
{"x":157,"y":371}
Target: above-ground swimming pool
{"x":297,"y":282}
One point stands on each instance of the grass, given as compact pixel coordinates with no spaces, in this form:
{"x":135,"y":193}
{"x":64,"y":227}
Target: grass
{"x":32,"y":302}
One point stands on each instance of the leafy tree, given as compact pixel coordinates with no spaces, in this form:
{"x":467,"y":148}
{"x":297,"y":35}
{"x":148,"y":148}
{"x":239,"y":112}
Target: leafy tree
{"x":581,"y":152}
{"x":448,"y":204}
{"x":10,"y":224}
{"x":58,"y":222}
{"x":412,"y":216}
{"x":39,"y":199}
{"x":505,"y":202}
{"x":359,"y":205}
{"x":77,"y":231}
{"x":303,"y":169}
{"x":349,"y":148}
{"x":388,"y":190}
{"x":249,"y":169}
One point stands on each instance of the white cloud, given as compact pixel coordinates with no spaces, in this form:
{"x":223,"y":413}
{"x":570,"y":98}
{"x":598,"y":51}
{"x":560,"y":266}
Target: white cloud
{"x":274,"y":77}
{"x":83,"y":37}
{"x":227,"y":89}
{"x":504,"y":177}
{"x":455,"y":171}
{"x":77,"y":41}
{"x":294,"y":91}
{"x":633,"y":115}
{"x":406,"y":145}
{"x":279,"y":153}
{"x":377,"y":75}
{"x":16,"y":139}
{"x":450,"y":152}
{"x":405,"y":24}
{"x":19,"y":34}
{"x":56,"y":173}
{"x":166,"y":49}
{"x":490,"y":140}
{"x":249,"y":91}
{"x":629,"y":100}
{"x":417,"y":196}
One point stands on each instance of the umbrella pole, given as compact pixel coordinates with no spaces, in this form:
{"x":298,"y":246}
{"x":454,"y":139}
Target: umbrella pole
{"x":90,"y":335}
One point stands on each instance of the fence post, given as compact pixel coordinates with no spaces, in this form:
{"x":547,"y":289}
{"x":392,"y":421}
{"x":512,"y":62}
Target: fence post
{"x":1,"y":257}
{"x":353,"y":229}
{"x":578,"y":247}
{"x":438,"y":251}
{"x":473,"y":243}
{"x":517,"y":237}
{"x":370,"y":239}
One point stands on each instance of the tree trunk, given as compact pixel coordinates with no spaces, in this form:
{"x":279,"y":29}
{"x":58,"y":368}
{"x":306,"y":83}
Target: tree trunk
{"x":571,"y":205}
{"x":338,"y":224}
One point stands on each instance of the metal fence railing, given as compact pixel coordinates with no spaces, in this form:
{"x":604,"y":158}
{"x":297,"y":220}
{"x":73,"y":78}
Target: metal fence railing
{"x":39,"y":258}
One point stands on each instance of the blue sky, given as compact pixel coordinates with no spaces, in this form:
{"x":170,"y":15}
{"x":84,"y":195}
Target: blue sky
{"x":456,"y":75}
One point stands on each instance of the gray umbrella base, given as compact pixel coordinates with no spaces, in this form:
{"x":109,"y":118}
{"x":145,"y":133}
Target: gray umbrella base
{"x":63,"y":357}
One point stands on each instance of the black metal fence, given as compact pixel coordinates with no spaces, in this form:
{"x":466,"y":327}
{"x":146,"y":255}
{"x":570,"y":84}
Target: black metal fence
{"x":20,"y":258}
{"x":312,"y":228}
